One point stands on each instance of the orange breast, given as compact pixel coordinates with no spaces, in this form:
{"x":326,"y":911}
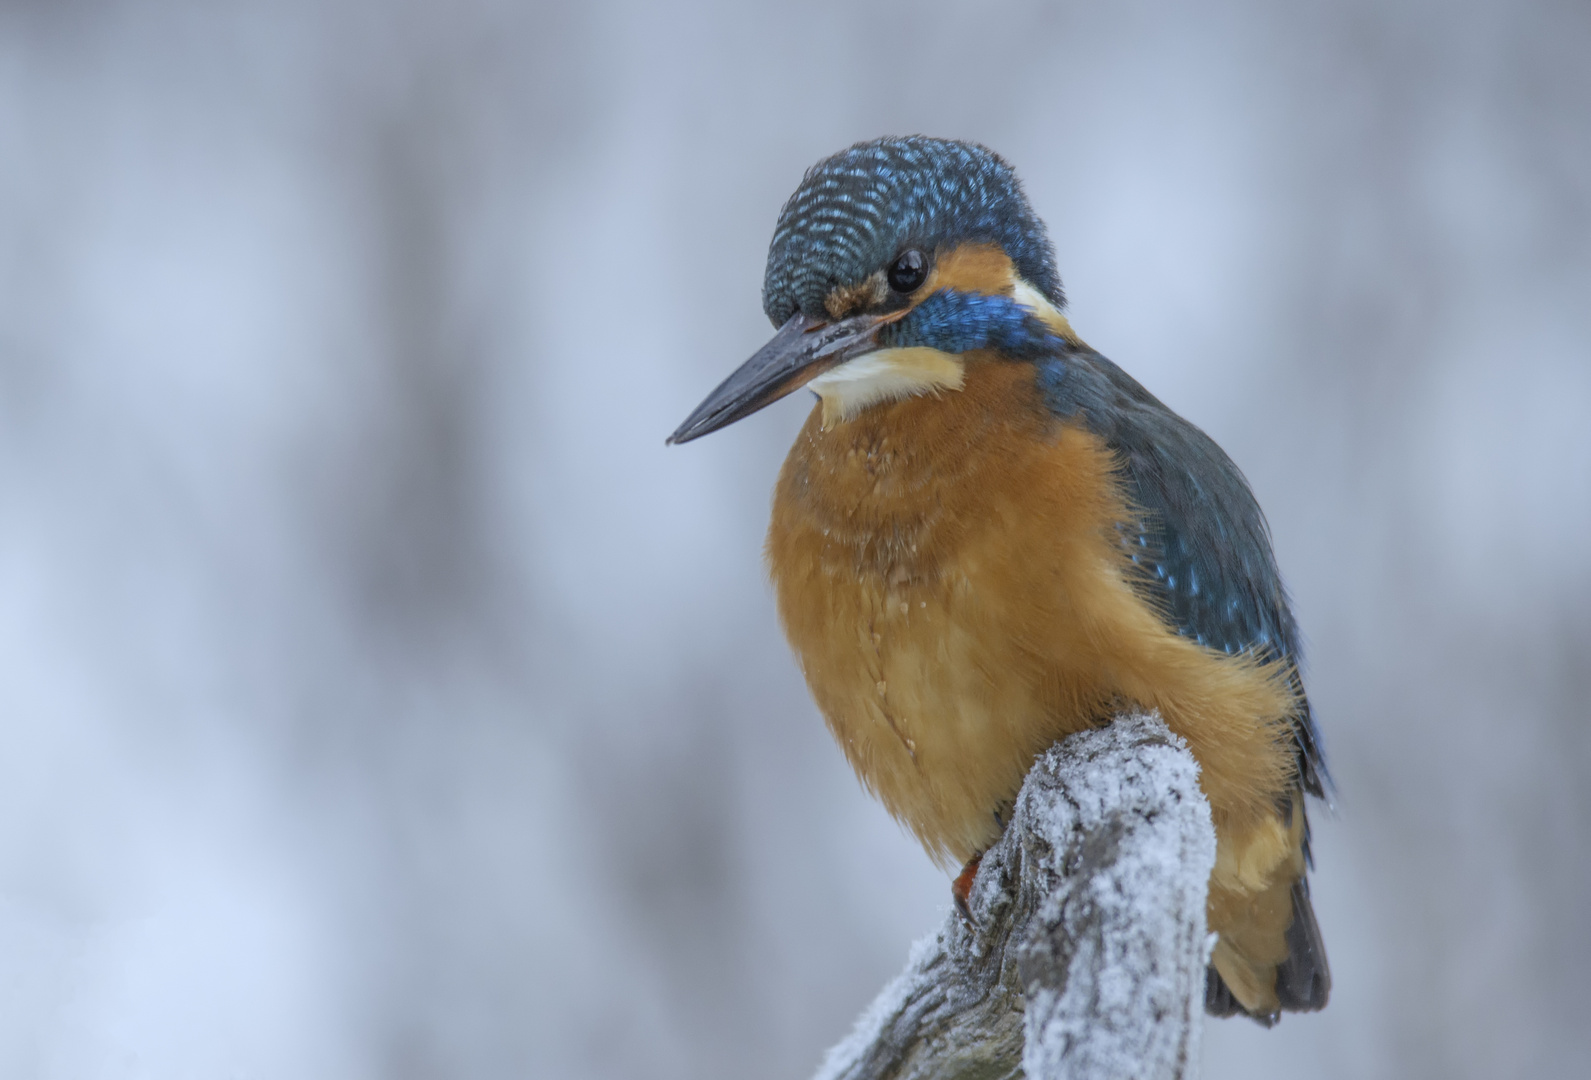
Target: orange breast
{"x":948,"y":573}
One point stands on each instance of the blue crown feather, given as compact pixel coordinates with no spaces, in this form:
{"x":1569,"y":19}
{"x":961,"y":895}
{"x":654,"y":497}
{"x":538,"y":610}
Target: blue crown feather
{"x":856,"y":211}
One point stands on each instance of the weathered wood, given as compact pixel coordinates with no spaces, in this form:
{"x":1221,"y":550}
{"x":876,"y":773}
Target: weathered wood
{"x":1085,"y":954}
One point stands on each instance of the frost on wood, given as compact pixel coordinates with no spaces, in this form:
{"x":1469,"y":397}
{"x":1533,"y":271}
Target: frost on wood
{"x":1086,"y":950}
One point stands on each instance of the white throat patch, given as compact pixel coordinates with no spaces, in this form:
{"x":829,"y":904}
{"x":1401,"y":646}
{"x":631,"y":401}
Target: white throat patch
{"x":884,"y":375}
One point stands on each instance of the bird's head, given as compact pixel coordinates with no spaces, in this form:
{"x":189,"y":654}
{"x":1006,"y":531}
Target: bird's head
{"x":891,"y":261}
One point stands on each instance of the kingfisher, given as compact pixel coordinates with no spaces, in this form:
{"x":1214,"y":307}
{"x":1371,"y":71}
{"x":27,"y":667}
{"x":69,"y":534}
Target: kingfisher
{"x":987,"y":537}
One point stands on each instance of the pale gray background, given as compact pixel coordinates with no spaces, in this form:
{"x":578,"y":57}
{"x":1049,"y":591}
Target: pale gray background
{"x":380,"y":698}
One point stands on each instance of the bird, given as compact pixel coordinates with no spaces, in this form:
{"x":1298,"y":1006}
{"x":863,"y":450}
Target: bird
{"x":987,"y":536}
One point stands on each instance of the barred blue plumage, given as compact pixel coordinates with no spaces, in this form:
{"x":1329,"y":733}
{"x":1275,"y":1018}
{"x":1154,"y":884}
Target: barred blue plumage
{"x":858,"y":209}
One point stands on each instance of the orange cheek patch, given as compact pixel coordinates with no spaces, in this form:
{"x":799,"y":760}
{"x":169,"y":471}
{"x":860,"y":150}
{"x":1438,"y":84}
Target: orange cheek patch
{"x":974,"y":268}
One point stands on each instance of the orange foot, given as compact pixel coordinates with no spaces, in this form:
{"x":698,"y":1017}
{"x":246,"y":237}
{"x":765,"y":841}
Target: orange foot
{"x":962,"y":886}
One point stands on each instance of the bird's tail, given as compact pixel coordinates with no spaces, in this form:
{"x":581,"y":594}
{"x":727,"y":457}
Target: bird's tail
{"x":1303,"y":979}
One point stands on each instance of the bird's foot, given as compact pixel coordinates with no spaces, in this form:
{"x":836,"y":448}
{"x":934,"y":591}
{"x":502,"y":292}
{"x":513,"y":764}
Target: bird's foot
{"x":961,"y":888}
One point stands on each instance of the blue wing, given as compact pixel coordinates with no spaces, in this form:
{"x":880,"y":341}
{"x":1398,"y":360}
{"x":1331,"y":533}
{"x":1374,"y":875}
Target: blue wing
{"x":1200,"y":535}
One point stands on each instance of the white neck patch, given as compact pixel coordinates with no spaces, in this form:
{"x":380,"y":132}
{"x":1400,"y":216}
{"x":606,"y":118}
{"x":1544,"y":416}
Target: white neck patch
{"x":1037,"y":303}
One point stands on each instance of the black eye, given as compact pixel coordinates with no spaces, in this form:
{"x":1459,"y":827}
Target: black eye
{"x":908,"y":271}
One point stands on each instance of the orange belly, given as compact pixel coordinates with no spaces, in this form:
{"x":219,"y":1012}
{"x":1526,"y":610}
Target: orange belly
{"x":949,"y":574}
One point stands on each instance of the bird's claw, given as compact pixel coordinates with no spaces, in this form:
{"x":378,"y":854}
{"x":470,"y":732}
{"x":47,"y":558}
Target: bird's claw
{"x":961,"y":888}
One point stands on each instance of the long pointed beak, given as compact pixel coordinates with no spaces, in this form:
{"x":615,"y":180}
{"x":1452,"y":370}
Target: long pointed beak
{"x":802,"y":350}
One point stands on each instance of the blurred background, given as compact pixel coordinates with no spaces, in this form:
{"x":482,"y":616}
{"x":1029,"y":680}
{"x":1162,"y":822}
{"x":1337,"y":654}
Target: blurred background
{"x":380,"y":698}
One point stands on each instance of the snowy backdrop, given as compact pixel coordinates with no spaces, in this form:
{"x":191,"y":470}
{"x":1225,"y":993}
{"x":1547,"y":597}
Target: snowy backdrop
{"x":379,"y":698}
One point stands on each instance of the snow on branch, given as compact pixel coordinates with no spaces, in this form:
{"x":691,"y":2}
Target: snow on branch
{"x":1086,"y":950}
